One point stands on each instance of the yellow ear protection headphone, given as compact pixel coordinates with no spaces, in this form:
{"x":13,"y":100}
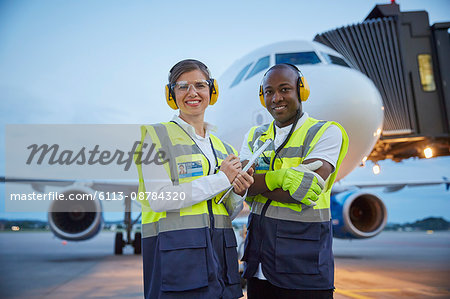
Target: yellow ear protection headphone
{"x":302,"y":86}
{"x":213,"y":94}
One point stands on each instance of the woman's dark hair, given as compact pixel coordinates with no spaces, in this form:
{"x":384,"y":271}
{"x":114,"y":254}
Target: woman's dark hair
{"x":187,"y":65}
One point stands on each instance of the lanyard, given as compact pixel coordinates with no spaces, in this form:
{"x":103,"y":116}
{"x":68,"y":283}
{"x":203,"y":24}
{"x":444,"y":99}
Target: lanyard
{"x":294,"y":124}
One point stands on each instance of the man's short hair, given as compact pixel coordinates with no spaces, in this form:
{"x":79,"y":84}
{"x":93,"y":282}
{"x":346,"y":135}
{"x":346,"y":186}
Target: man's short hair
{"x":284,"y":66}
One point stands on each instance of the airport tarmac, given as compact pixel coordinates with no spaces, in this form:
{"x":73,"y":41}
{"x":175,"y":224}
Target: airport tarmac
{"x":391,"y":265}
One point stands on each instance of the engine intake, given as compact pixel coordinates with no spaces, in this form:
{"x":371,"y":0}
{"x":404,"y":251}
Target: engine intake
{"x":358,"y":215}
{"x":75,"y":219}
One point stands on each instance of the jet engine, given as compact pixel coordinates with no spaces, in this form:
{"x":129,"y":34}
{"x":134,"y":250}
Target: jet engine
{"x":357,"y":215}
{"x":77,"y":217}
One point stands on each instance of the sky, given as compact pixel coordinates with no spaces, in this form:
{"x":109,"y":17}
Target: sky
{"x":106,"y":62}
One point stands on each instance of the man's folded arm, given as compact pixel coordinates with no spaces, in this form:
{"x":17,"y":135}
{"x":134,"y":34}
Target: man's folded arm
{"x":285,"y":185}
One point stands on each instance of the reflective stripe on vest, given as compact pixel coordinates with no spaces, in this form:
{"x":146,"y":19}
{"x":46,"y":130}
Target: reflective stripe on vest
{"x":295,"y":151}
{"x":304,"y":186}
{"x":308,"y":214}
{"x":171,"y":139}
{"x":173,"y":221}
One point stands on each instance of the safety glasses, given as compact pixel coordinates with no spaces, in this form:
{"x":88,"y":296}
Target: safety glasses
{"x":198,"y":85}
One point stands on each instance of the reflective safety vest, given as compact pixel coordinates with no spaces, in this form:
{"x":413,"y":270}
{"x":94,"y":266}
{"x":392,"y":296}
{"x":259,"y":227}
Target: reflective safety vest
{"x":300,"y":144}
{"x":190,"y":252}
{"x":292,"y":242}
{"x":179,"y":148}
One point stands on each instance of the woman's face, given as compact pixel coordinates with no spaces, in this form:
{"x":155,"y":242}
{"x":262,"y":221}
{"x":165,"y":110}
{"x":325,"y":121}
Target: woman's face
{"x":194,"y":99}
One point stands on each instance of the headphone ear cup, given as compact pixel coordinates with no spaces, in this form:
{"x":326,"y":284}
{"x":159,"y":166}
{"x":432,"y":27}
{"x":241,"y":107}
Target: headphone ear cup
{"x":303,"y":89}
{"x":170,"y":99}
{"x":214,"y":92}
{"x":261,"y":96}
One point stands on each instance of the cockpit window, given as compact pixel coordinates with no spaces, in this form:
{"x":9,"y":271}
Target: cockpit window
{"x":261,"y":65}
{"x":335,"y":60}
{"x":297,"y":58}
{"x":240,"y":75}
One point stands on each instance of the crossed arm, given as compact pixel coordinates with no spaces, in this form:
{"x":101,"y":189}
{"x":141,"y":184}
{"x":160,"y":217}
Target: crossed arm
{"x":260,"y":187}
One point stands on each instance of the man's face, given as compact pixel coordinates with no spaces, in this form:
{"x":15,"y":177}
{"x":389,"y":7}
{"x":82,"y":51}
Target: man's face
{"x":280,"y":95}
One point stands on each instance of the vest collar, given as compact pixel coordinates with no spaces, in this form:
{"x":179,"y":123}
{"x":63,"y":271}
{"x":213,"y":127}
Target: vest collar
{"x":190,"y":129}
{"x":300,"y":123}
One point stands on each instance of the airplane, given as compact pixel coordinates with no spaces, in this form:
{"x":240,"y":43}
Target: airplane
{"x":338,"y":93}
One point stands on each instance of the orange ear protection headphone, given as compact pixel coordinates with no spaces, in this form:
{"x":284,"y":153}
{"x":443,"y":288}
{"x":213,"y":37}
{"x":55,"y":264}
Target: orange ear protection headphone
{"x":213,"y":94}
{"x":302,"y":86}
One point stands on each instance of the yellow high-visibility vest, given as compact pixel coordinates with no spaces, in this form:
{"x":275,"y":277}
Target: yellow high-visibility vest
{"x":179,"y":148}
{"x":298,"y":147}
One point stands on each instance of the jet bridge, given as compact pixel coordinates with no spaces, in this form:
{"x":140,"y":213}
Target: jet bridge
{"x":408,"y":60}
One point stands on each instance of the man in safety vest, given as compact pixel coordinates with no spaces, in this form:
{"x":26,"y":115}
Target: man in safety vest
{"x":288,"y":249}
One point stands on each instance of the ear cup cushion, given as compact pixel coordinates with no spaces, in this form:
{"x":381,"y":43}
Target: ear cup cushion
{"x":170,"y":98}
{"x":213,"y":92}
{"x":261,"y":96}
{"x":303,"y":89}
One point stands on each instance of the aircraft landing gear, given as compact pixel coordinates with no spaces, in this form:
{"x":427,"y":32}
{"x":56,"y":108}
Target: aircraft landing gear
{"x":137,"y":243}
{"x":119,"y":242}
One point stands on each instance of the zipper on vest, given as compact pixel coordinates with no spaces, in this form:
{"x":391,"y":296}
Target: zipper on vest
{"x":215,"y":157}
{"x":210,"y":210}
{"x":211,"y":215}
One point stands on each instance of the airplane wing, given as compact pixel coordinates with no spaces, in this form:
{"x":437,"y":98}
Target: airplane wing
{"x":390,"y":186}
{"x":107,"y":186}
{"x":29,"y":181}
{"x":111,"y":186}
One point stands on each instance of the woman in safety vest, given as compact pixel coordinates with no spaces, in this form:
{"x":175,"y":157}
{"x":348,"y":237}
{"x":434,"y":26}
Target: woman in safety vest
{"x":189,"y":247}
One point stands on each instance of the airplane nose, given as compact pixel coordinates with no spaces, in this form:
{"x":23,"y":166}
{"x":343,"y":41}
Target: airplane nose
{"x":357,"y":106}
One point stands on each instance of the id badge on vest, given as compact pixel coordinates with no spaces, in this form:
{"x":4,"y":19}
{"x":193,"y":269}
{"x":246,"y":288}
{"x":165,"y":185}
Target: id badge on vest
{"x":190,"y":169}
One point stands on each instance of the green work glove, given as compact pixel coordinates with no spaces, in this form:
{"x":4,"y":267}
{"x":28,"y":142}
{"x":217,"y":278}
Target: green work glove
{"x":303,"y":184}
{"x":274,"y":179}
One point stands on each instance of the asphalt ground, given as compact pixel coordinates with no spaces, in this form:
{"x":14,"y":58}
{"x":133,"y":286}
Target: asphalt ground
{"x":391,"y":265}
